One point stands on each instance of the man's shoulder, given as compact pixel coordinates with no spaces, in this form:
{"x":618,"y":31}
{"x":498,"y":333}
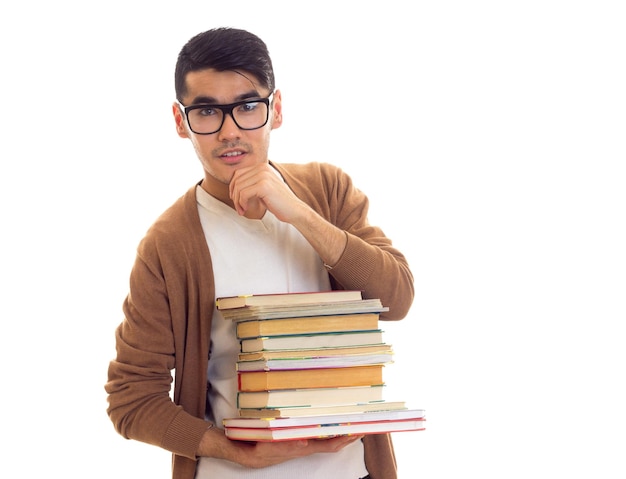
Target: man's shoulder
{"x":177,"y":220}
{"x":309,"y":170}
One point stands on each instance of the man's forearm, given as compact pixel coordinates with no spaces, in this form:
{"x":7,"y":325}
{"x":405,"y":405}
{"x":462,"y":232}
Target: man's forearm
{"x":328,"y":240}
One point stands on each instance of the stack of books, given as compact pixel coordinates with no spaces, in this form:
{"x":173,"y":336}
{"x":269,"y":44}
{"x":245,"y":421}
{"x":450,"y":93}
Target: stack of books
{"x":311,"y":366}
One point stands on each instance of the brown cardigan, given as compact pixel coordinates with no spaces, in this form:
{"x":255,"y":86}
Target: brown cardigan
{"x":168,"y":313}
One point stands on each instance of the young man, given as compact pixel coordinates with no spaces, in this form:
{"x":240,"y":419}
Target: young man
{"x":250,"y":226}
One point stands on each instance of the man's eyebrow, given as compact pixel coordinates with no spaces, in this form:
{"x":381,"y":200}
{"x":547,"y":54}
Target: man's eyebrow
{"x":212,"y":101}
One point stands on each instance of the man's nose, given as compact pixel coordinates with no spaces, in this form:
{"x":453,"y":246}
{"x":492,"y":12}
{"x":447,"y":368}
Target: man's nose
{"x":229,"y":128}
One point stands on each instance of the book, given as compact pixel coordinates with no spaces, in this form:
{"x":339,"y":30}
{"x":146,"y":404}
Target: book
{"x":320,"y":420}
{"x":324,"y":430}
{"x":314,"y":353}
{"x":275,"y":299}
{"x":307,"y":325}
{"x":292,"y":311}
{"x":321,"y":410}
{"x":316,"y":397}
{"x":310,"y":378}
{"x":316,"y":360}
{"x":311,"y":366}
{"x":312,"y":341}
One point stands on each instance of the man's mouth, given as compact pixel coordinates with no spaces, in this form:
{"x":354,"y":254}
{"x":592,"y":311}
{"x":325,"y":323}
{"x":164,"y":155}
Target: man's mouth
{"x":232,"y":155}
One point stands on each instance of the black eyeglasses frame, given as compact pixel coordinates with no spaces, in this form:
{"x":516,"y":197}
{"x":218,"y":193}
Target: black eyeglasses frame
{"x":227,"y":110}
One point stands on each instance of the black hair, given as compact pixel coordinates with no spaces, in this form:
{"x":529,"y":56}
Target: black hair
{"x":224,"y":49}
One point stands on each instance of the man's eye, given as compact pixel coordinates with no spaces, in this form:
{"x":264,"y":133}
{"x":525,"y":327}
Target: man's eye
{"x":248,"y":107}
{"x":207,"y":111}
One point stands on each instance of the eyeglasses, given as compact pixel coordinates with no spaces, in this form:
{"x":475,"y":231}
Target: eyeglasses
{"x":206,"y":119}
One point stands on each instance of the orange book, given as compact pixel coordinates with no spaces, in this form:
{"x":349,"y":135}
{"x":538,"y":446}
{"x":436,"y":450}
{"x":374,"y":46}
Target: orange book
{"x":308,"y":325}
{"x":311,"y":378}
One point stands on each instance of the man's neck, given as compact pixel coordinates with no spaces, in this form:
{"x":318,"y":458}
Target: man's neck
{"x":217,"y":189}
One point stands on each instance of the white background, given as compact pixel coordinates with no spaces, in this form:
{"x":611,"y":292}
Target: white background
{"x":489,"y":136}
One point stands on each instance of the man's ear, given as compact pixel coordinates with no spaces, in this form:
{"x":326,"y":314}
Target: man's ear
{"x":179,"y":119}
{"x":277,"y":111}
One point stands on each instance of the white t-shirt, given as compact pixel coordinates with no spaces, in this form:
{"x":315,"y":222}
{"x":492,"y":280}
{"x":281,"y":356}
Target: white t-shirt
{"x":256,"y":257}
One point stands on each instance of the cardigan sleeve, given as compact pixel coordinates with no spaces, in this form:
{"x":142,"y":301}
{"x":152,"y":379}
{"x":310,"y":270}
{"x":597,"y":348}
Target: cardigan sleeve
{"x":160,"y":312}
{"x":140,"y":376}
{"x":370,"y":262}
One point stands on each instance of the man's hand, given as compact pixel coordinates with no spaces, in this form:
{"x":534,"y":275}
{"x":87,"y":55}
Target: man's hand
{"x":263,"y":454}
{"x":256,"y":189}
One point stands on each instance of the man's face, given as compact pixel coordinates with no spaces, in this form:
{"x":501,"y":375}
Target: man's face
{"x":230,"y":148}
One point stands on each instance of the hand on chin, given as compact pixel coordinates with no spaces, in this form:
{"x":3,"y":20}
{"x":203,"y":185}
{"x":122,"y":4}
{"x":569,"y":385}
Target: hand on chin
{"x":255,"y":210}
